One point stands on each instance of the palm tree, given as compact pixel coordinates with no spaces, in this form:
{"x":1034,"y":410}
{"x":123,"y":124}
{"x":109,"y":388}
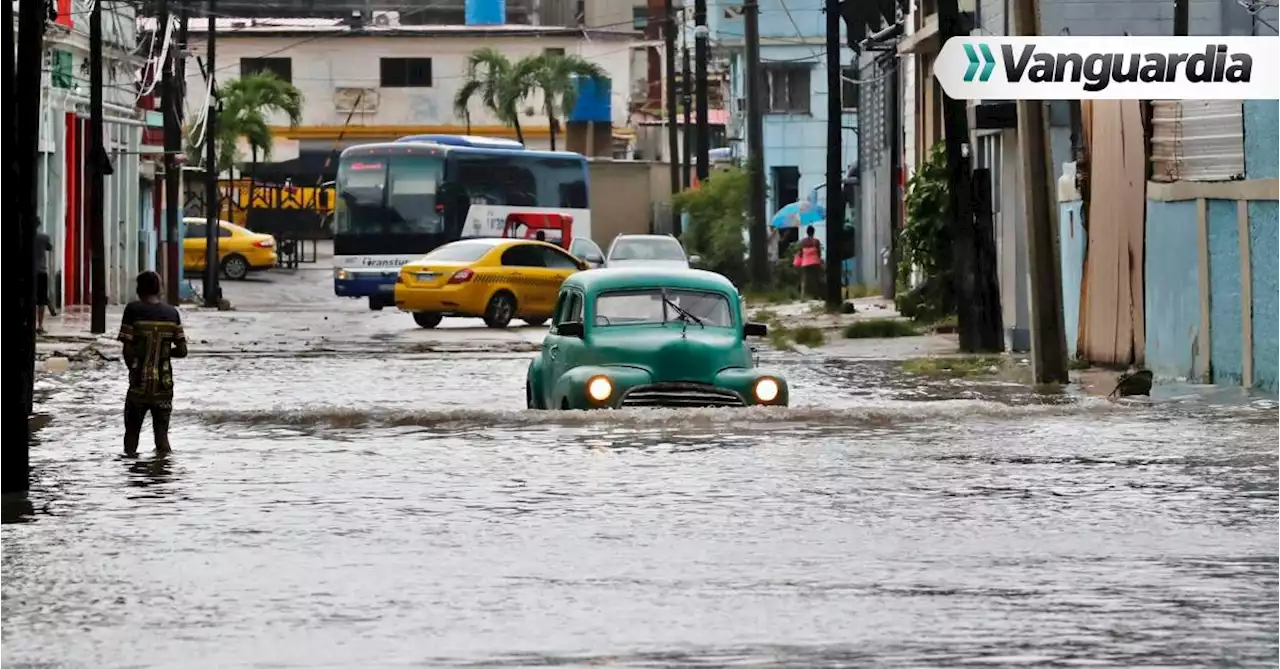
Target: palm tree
{"x":501,"y":85}
{"x":246,"y":103}
{"x":553,"y":74}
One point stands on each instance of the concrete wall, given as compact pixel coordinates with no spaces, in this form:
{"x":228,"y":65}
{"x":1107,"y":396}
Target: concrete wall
{"x":1261,"y":127}
{"x":623,"y":193}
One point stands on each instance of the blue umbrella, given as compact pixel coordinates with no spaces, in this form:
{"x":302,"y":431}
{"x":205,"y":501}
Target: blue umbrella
{"x":799,"y":215}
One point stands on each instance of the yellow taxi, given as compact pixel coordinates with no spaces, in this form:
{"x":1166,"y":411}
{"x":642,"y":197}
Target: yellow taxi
{"x":495,"y":279}
{"x":240,"y":250}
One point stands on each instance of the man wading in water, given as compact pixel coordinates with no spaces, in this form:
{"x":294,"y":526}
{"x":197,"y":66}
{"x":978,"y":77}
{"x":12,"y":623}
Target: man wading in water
{"x":152,"y":334}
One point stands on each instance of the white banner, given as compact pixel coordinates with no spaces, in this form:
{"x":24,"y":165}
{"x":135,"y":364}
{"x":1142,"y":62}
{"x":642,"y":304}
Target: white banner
{"x":1110,"y":68}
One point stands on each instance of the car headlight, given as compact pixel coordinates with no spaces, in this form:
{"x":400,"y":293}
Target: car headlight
{"x":767,"y":390}
{"x":599,"y":388}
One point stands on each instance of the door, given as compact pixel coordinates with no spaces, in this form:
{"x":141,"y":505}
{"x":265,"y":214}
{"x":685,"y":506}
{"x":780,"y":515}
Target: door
{"x":562,"y":353}
{"x":559,"y":265}
{"x":586,"y":250}
{"x":194,"y":246}
{"x":524,"y":269}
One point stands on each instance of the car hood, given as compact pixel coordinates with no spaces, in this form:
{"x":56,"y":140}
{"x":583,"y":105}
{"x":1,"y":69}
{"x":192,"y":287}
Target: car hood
{"x":666,"y":264}
{"x":696,"y":356}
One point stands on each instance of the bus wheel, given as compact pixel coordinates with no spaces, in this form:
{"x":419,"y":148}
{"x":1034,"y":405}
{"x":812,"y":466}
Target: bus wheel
{"x":500,"y":310}
{"x":426,"y":320}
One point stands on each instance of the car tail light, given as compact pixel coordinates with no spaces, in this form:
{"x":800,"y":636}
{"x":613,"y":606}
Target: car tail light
{"x":265,"y":243}
{"x":461,"y":276}
{"x":400,"y":278}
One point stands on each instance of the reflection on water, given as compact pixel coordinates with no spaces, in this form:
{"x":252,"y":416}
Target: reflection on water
{"x":447,"y":527}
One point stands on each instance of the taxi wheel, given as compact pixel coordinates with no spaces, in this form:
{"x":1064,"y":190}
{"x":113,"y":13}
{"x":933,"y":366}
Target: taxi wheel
{"x":426,"y":320}
{"x":500,"y":310}
{"x":235,"y":267}
{"x":535,"y":322}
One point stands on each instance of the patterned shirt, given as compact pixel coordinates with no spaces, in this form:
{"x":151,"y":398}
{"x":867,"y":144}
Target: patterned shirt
{"x":152,"y":334}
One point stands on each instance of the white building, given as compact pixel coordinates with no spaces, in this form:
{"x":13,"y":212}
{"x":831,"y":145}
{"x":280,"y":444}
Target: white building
{"x":382,"y":80}
{"x":128,"y":199}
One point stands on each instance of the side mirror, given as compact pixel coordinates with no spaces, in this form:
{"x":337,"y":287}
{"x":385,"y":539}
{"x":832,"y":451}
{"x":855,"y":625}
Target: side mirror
{"x":570,"y":329}
{"x":695,"y":260}
{"x":755,"y":330}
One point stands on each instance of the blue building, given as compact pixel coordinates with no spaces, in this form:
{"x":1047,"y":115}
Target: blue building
{"x":793,"y":64}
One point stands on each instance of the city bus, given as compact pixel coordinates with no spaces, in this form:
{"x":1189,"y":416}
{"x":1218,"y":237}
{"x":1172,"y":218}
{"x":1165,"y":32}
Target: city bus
{"x":398,"y":200}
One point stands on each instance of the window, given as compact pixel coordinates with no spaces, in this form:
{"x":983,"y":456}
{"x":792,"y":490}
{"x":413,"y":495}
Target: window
{"x":281,"y":67}
{"x":583,"y":247}
{"x":406,"y":72}
{"x":786,"y":186}
{"x":411,"y":195}
{"x":647,"y":248}
{"x":520,"y":181}
{"x":195,"y":231}
{"x":558,"y":259}
{"x":459,"y":252}
{"x":224,"y":231}
{"x":568,"y":308}
{"x":655,"y":306}
{"x":849,"y":88}
{"x":787,"y":89}
{"x":640,"y":18}
{"x":523,"y":255}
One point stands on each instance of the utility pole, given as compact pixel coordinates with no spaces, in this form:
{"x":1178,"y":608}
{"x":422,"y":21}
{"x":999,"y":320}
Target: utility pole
{"x":212,"y":203}
{"x":97,"y":164}
{"x":1181,"y":18}
{"x":22,"y":125}
{"x":673,"y":140}
{"x":835,"y":162}
{"x":172,"y":145}
{"x":700,"y":56}
{"x":977,"y":293}
{"x":894,"y":120}
{"x":1048,"y":336}
{"x":686,"y":101}
{"x":755,"y":147}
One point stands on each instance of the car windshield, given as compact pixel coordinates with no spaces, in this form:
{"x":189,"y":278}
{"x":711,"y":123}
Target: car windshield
{"x":647,"y":249}
{"x":634,"y":307}
{"x":458,"y":252}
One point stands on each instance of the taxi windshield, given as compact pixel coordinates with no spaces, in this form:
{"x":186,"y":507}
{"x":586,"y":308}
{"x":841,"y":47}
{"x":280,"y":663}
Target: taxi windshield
{"x":658,"y":305}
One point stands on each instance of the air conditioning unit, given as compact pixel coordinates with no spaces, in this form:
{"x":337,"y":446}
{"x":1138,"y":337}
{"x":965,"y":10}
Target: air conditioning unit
{"x":358,"y":100}
{"x":386,"y":19}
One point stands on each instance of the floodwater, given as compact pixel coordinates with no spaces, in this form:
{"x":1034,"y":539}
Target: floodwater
{"x":404,"y":510}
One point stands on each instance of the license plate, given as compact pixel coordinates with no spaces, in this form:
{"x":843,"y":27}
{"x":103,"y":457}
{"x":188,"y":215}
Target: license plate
{"x":427,"y":276}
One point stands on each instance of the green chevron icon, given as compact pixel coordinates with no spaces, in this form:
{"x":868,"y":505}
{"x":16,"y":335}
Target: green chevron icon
{"x":988,"y":60}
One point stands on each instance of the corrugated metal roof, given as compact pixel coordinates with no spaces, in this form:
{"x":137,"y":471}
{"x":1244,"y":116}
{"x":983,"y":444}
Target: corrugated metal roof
{"x":1197,"y":140}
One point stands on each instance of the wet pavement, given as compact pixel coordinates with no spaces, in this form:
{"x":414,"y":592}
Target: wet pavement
{"x":349,"y":490}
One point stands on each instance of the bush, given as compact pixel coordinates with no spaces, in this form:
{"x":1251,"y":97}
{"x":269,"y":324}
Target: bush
{"x":926,"y":241}
{"x":717,"y":216}
{"x":880,"y":328}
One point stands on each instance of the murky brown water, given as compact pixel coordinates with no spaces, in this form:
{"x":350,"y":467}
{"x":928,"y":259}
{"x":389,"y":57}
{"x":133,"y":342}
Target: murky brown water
{"x":340,"y":511}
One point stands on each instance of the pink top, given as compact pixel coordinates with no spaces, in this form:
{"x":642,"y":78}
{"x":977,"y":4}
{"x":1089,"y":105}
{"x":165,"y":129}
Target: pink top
{"x":810,"y":253}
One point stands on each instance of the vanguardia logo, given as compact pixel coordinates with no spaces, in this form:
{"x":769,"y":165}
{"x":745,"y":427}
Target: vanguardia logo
{"x":987,"y":62}
{"x":1099,"y":70}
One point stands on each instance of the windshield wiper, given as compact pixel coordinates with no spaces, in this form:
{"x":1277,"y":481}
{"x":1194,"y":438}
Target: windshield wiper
{"x":685,"y":316}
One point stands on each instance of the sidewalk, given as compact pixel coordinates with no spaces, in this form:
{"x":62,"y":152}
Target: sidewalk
{"x":67,"y":336}
{"x":811,"y":314}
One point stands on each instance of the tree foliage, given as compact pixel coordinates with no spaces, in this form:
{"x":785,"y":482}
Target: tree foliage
{"x":717,"y":216}
{"x":246,"y":103}
{"x":503,"y":86}
{"x":926,"y":241}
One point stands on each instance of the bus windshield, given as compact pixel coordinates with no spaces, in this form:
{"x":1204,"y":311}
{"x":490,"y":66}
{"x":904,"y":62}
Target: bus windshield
{"x":393,"y":194}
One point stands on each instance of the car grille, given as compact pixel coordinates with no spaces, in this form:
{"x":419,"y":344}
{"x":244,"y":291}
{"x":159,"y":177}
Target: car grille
{"x":681,"y":395}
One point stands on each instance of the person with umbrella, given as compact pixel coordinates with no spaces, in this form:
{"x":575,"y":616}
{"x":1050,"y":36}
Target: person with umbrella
{"x":795,"y":215}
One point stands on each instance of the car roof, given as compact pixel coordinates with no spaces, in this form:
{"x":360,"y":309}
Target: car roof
{"x":499,"y":242}
{"x":619,"y":278}
{"x":645,"y":237}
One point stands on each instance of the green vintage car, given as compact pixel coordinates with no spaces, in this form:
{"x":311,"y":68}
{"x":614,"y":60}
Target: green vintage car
{"x":649,"y":337}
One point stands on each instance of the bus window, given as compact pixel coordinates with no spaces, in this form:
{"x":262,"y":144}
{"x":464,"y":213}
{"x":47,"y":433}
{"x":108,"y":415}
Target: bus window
{"x":496,"y":179}
{"x":563,"y":181}
{"x":412,"y":193}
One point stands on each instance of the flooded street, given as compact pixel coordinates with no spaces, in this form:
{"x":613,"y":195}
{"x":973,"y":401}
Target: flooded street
{"x":349,"y":490}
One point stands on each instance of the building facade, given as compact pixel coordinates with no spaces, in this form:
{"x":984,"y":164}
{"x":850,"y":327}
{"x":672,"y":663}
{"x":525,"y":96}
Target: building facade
{"x":373,"y":83}
{"x":794,"y":91}
{"x":129,"y":204}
